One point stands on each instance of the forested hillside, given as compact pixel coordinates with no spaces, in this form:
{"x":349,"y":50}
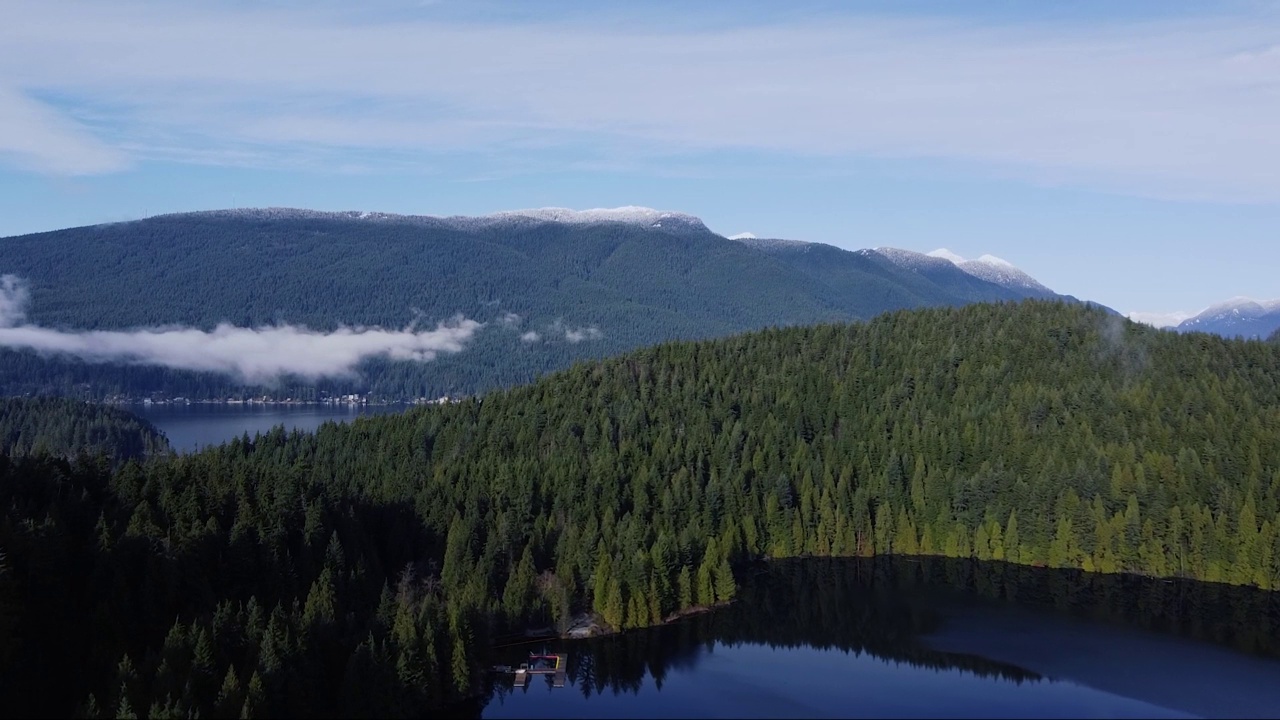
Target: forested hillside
{"x":583,"y":290}
{"x":365,"y":569}
{"x":65,"y":428}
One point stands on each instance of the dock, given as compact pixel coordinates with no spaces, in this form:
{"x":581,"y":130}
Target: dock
{"x":549,"y":664}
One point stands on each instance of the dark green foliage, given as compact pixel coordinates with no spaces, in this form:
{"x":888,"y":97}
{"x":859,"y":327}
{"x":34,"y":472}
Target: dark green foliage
{"x":636,"y":285}
{"x":366,"y":568}
{"x":67,"y":427}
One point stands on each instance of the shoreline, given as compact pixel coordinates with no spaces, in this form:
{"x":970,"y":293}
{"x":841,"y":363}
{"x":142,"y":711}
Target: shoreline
{"x":270,"y":403}
{"x":588,"y":626}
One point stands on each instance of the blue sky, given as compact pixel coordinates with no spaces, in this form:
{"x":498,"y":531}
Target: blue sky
{"x":1122,"y":152}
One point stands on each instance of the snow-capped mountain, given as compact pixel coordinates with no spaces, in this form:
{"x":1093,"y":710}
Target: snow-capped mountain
{"x":911,"y":260}
{"x":988,"y":267}
{"x":1237,"y":317}
{"x":995,"y":270}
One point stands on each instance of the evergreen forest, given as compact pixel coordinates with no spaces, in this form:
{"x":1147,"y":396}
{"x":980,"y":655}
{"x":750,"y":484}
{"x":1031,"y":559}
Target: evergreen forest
{"x":66,"y":428}
{"x":368,"y":568}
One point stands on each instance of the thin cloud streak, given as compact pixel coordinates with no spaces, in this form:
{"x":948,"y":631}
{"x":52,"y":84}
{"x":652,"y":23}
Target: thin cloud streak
{"x":1170,"y":109}
{"x":254,"y":355}
{"x":34,"y":136}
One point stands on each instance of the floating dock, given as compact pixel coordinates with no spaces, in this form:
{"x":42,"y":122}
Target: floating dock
{"x":553,"y":665}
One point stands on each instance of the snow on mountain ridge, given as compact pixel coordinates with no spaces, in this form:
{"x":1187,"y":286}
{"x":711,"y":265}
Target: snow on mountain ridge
{"x":988,"y":267}
{"x":1001,"y":272}
{"x":993,"y":260}
{"x":1237,"y":317}
{"x":630,"y":214}
{"x":1237,"y":304}
{"x":911,"y":259}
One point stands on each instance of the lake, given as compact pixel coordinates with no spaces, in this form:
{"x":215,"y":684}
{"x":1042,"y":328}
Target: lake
{"x":190,"y":427}
{"x":927,"y":638}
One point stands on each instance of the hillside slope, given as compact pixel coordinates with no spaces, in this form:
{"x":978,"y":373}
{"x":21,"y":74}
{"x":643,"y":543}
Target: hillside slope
{"x":553,"y":286}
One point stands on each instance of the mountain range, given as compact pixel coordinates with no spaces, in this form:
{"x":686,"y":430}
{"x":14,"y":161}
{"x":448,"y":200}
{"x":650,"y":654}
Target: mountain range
{"x":551,"y":286}
{"x":1237,"y":317}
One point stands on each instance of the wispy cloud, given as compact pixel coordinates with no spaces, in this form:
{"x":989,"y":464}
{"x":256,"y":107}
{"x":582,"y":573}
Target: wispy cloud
{"x":37,"y":137}
{"x":255,"y":355}
{"x":1175,"y":108}
{"x":14,"y":297}
{"x":560,"y":331}
{"x":573,"y":334}
{"x":577,"y":335}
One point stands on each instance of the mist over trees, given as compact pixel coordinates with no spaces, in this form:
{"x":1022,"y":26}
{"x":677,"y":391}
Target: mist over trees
{"x":367,"y":567}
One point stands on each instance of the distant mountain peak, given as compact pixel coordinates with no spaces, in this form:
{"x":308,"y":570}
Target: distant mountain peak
{"x":988,"y":267}
{"x":1240,"y":304}
{"x":993,"y":269}
{"x":1238,"y":316}
{"x":743,"y":236}
{"x":911,"y":259}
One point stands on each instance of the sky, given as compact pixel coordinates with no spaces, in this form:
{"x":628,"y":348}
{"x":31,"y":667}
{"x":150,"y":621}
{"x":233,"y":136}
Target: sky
{"x":1126,"y":153}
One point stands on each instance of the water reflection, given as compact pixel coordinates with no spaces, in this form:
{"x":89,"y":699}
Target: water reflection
{"x":935,"y":637}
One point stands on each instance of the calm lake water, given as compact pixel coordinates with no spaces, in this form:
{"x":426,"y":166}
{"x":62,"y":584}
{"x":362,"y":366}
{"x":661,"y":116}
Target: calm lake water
{"x":190,"y":427}
{"x":931,"y":638}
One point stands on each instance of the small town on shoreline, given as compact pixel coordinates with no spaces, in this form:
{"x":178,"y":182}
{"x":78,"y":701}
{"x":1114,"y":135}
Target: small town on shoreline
{"x":353,"y":399}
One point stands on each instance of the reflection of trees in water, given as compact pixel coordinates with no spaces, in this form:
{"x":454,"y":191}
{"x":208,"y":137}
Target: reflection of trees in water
{"x":1243,"y":618}
{"x":850,"y":606}
{"x":853,"y":606}
{"x":621,"y":663}
{"x":884,"y":606}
